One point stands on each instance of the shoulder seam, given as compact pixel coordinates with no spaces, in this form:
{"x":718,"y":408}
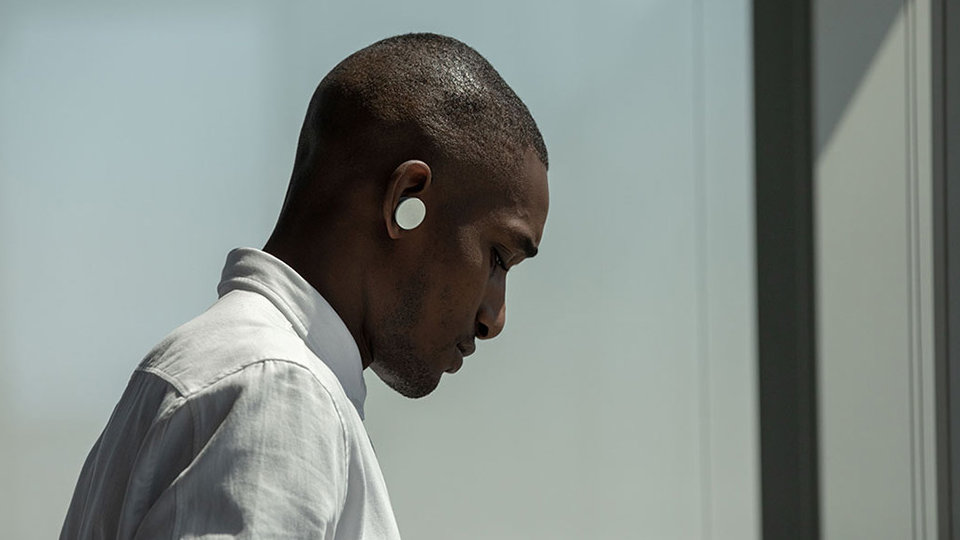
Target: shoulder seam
{"x":171,"y":380}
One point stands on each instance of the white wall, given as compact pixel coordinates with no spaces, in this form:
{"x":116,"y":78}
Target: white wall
{"x":874,"y":269}
{"x":139,"y":144}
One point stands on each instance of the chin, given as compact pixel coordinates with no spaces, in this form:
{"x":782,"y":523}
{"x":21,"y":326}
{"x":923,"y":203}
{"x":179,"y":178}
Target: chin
{"x":410,"y":379}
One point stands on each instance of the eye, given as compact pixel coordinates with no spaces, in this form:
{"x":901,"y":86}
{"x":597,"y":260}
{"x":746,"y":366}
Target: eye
{"x":498,"y":260}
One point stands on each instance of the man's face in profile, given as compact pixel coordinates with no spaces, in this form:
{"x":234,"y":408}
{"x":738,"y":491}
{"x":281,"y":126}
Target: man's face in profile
{"x":456,"y":291}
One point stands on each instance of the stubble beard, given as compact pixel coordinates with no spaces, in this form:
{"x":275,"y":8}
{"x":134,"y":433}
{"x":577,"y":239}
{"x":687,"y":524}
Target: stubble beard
{"x":396,"y":360}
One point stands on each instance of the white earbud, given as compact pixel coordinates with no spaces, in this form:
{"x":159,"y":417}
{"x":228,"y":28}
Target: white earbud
{"x":410,"y":213}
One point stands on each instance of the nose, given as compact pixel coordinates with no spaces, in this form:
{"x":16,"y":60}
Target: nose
{"x":492,"y":314}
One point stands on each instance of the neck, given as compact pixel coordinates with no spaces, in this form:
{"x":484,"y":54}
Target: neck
{"x":335,"y":272}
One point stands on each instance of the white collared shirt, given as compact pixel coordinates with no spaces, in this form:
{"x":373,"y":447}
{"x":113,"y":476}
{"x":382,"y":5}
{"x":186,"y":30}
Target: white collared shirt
{"x":244,"y":422}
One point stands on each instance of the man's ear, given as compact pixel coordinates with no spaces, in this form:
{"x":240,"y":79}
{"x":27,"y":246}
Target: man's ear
{"x":410,"y":178}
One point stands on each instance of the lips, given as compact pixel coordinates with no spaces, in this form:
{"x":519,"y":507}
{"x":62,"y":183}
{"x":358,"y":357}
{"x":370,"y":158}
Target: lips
{"x":465,"y":349}
{"x":456,"y":364}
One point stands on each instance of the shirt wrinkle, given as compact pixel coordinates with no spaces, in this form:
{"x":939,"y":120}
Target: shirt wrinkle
{"x":162,"y":423}
{"x":312,"y":317}
{"x":225,"y":434}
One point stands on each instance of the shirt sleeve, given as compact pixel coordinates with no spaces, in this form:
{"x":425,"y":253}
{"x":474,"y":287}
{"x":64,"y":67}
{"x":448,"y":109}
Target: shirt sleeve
{"x":269,"y":460}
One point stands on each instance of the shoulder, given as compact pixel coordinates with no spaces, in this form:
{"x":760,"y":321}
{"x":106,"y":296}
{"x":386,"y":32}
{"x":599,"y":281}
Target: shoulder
{"x":230,"y":342}
{"x":271,"y":396}
{"x":266,"y":446}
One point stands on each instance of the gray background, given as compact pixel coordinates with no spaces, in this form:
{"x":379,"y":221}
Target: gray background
{"x":138,"y":144}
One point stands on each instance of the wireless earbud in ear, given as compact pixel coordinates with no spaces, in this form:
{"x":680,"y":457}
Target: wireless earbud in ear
{"x":410,"y":213}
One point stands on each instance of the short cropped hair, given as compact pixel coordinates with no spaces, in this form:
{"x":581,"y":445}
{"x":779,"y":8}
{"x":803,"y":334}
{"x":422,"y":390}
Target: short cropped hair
{"x":427,"y":95}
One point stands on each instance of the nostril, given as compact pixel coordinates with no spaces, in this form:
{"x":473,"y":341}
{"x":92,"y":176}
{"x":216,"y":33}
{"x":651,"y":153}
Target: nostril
{"x":482,"y":330}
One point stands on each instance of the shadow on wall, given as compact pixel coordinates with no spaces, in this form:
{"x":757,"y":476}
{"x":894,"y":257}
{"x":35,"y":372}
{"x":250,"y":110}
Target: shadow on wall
{"x":841,"y":27}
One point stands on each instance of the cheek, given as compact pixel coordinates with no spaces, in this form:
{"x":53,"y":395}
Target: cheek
{"x":469,"y":279}
{"x":458,"y":301}
{"x":464,"y":268}
{"x":466,"y":258}
{"x":464,"y":272}
{"x":453,"y":306}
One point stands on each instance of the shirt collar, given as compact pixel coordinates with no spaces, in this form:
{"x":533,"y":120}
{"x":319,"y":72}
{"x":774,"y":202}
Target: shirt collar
{"x":310,"y":315}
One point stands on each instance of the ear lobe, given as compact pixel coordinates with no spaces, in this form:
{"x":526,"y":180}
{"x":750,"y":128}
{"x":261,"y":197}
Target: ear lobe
{"x":410,"y":178}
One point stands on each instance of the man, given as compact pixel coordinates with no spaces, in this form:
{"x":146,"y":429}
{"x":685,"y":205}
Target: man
{"x":420,"y":179}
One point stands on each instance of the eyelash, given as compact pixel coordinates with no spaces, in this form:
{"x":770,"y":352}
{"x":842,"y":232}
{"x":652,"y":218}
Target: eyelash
{"x":498,"y":260}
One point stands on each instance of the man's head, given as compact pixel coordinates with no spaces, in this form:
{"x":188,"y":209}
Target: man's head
{"x":422,"y":116}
